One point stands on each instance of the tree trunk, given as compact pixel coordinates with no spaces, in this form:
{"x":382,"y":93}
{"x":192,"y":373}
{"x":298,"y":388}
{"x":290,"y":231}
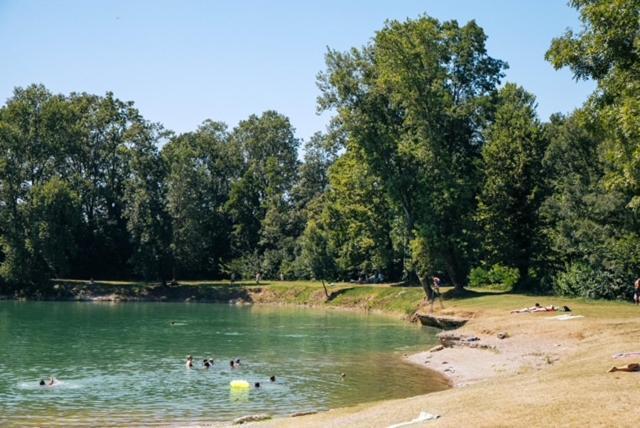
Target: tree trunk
{"x":326,"y":292}
{"x":424,"y":282}
{"x":454,"y":271}
{"x":523,"y":278}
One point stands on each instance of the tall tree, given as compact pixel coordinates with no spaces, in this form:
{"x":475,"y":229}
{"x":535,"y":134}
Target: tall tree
{"x":260,"y":202}
{"x":201,"y":168}
{"x":413,"y":103}
{"x":99,"y":170}
{"x":513,"y":186}
{"x":608,"y":50}
{"x":33,"y":142}
{"x":357,"y":217}
{"x":145,"y":191}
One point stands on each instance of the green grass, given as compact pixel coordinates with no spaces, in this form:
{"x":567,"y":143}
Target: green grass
{"x":399,"y":300}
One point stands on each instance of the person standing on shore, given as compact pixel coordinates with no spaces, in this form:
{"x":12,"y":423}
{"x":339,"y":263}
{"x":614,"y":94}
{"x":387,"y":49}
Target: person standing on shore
{"x":636,"y":291}
{"x":435,"y":292}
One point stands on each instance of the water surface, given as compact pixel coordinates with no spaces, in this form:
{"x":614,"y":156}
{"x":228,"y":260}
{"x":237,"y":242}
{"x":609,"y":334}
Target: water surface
{"x":123,"y":364}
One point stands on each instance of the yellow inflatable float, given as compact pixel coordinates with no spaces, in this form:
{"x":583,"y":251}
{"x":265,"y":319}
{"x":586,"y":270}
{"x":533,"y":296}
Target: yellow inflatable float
{"x":239,"y":384}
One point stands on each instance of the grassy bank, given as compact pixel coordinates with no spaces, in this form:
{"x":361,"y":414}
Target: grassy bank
{"x":401,"y":301}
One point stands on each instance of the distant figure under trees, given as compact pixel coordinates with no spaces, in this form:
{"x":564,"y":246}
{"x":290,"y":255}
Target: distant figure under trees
{"x":435,"y":292}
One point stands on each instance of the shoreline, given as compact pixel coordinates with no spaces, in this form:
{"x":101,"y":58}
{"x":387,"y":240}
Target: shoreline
{"x":542,"y":362}
{"x":347,"y":297}
{"x":535,"y":345}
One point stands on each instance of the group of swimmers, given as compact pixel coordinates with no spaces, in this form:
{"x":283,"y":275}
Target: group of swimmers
{"x":233,"y":364}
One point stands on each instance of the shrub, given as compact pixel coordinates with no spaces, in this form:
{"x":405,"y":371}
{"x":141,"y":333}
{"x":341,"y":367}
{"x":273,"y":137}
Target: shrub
{"x":580,"y":279}
{"x":498,"y":277}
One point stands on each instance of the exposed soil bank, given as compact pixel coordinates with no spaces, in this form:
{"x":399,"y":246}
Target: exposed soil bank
{"x":401,"y":302}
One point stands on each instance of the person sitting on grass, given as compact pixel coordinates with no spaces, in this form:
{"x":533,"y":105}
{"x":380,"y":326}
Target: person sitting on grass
{"x":631,"y":367}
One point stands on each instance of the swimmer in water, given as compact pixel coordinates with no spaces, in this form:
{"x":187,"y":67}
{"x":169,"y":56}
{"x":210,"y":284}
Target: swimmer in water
{"x":206,"y":363}
{"x":42,"y":383}
{"x":257,"y":384}
{"x":232,"y":364}
{"x":52,"y":381}
{"x":237,"y":361}
{"x":272,"y":378}
{"x":189,"y":362}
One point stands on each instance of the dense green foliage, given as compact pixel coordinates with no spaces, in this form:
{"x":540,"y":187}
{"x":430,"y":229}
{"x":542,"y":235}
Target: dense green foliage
{"x":497,"y":277}
{"x":429,"y":166}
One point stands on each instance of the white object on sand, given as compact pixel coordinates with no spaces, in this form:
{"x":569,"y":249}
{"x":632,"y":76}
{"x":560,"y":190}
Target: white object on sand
{"x":565,"y":317}
{"x":625,"y":355}
{"x":423,"y":416}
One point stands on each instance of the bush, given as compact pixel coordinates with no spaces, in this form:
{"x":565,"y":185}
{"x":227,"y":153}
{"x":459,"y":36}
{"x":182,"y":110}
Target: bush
{"x":580,"y":279}
{"x":498,"y":277}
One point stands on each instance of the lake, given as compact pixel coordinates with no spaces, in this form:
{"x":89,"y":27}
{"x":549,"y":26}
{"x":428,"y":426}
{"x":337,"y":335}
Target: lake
{"x":123,"y":364}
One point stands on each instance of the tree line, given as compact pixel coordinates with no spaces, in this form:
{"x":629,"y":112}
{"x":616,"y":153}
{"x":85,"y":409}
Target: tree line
{"x":430,"y":164}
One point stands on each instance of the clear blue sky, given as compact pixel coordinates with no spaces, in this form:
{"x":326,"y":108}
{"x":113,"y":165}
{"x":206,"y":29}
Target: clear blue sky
{"x":186,"y":61}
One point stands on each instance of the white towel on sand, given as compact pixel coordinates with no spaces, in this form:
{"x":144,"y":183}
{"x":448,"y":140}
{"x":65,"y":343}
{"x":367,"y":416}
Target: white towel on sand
{"x":422,"y":417}
{"x":565,"y":317}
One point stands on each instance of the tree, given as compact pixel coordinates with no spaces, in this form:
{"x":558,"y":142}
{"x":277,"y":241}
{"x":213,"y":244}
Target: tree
{"x":201,"y":169}
{"x":145,"y":192}
{"x":53,"y":214}
{"x":34,"y":131}
{"x":260,"y":202}
{"x":589,"y":230}
{"x":357,"y":219}
{"x":98,"y":170}
{"x":412,"y":103}
{"x":601,"y":203}
{"x":513,"y":186}
{"x":607,"y":50}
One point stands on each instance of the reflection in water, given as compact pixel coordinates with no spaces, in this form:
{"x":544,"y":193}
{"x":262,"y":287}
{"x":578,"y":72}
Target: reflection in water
{"x":124,"y":364}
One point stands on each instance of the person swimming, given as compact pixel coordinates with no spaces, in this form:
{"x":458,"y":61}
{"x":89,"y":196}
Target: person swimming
{"x":189,"y":362}
{"x":257,"y":384}
{"x":272,"y":378}
{"x":42,"y":382}
{"x":232,"y":364}
{"x":237,"y":361}
{"x":206,"y":363}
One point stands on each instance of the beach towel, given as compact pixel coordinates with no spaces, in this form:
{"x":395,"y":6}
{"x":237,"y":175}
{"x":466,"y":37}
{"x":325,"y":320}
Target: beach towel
{"x":625,"y":355}
{"x":565,"y":317}
{"x":422,"y":417}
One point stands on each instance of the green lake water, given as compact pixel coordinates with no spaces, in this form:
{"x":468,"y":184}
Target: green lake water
{"x":123,"y":364}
